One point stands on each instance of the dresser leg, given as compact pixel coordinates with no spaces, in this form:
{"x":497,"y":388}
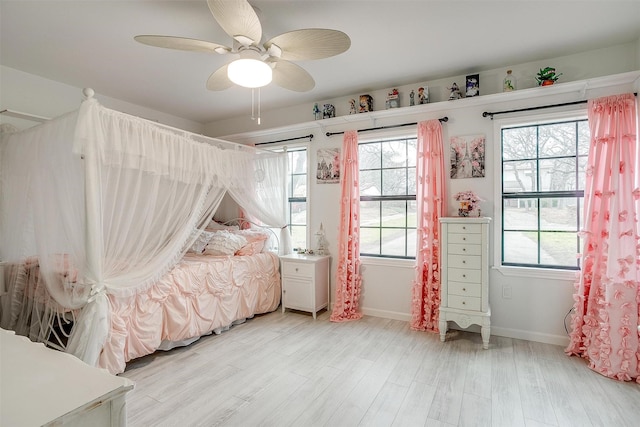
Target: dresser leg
{"x":485,"y":331}
{"x":443,"y":328}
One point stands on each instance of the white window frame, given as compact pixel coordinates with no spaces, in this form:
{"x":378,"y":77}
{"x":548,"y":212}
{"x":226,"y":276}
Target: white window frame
{"x":523,"y":120}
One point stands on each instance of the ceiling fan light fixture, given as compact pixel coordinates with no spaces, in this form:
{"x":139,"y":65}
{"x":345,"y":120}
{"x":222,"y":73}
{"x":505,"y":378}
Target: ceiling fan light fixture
{"x":250,"y":71}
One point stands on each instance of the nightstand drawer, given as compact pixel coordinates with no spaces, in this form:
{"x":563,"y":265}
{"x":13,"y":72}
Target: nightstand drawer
{"x":474,"y":239}
{"x":464,"y":303}
{"x":465,"y":228}
{"x":464,"y":289}
{"x":465,"y":261}
{"x":465,"y":275}
{"x":464,"y":249}
{"x":297,"y":269}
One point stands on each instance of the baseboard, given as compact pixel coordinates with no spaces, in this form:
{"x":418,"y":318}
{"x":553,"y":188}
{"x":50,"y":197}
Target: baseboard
{"x":520,"y":334}
{"x":562,"y":340}
{"x":386,"y":314}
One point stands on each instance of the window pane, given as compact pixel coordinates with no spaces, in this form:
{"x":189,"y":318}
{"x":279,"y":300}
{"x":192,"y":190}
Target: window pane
{"x":411,"y":242}
{"x":298,"y":163}
{"x":519,"y":176}
{"x":582,"y":163}
{"x":298,"y":213}
{"x":558,"y":139}
{"x":411,"y":181}
{"x":299,"y":186}
{"x":520,"y":214}
{"x":520,"y":247}
{"x":369,"y":156}
{"x":519,"y":143}
{"x":584,"y":136}
{"x":559,"y":214}
{"x":370,"y":241}
{"x":559,"y":248}
{"x":370,"y":183}
{"x":558,"y":174}
{"x":299,"y":236}
{"x":412,"y":214}
{"x":394,"y":182}
{"x":412,"y":152}
{"x":394,"y":154}
{"x":394,"y":213}
{"x":370,"y":214}
{"x":394,"y":241}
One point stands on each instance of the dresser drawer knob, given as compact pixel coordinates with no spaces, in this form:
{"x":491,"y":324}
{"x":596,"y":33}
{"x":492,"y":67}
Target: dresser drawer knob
{"x":296,"y":269}
{"x":464,"y":228}
{"x":464,"y":249}
{"x":464,"y":290}
{"x":464,"y":302}
{"x":464,"y":275}
{"x":464,"y":262}
{"x":464,"y":239}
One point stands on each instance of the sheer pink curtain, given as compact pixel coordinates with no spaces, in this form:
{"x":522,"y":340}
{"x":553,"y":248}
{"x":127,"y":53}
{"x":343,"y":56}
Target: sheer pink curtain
{"x":431,"y":204}
{"x":607,"y":298}
{"x":348,"y":283}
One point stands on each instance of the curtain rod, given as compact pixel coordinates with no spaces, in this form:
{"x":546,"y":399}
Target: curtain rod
{"x":487,"y":113}
{"x":442,"y":120}
{"x":25,"y":116}
{"x":310,"y":136}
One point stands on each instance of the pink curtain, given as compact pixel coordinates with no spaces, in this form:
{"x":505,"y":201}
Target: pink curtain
{"x":607,"y":298}
{"x":430,"y":200}
{"x":348,"y":283}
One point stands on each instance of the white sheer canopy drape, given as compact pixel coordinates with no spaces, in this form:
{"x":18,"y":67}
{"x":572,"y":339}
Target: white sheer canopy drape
{"x":107,"y":203}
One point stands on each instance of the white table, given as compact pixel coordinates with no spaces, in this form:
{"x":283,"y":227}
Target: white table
{"x":40,"y":386}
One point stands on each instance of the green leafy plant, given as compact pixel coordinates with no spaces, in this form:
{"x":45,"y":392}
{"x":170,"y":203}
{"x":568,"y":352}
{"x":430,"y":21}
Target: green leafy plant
{"x":547,"y":74}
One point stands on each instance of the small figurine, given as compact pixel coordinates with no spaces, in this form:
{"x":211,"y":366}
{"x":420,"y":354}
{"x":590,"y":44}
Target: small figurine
{"x":393,"y":99}
{"x":352,"y":106}
{"x":316,"y":111}
{"x":473,"y":85}
{"x":366,"y":103}
{"x":412,"y":98}
{"x":423,"y":95}
{"x":329,"y":111}
{"x":455,"y":92}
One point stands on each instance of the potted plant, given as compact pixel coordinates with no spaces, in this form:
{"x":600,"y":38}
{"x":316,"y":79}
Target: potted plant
{"x":547,"y":76}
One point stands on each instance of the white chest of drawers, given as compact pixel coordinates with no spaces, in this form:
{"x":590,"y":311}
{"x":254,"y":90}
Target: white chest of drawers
{"x":464,"y":257}
{"x":305,"y":282}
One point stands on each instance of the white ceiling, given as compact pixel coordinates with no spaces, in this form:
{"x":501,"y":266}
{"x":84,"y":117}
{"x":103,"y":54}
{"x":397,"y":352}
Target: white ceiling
{"x":90,"y":44}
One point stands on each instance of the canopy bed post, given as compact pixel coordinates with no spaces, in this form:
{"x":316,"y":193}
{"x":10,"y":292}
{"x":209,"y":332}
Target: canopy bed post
{"x":94,"y":318}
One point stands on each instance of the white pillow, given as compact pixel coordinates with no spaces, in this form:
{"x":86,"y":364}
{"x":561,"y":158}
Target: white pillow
{"x":200,"y":243}
{"x":224,"y":243}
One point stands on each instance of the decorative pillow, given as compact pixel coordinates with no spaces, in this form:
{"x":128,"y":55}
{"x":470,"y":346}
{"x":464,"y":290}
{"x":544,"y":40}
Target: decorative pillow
{"x":224,"y":243}
{"x":200,"y":243}
{"x":215,"y":226}
{"x":255,"y":244}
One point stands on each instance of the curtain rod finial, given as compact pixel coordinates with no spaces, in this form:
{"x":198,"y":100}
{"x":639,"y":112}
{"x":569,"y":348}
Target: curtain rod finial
{"x":88,"y":93}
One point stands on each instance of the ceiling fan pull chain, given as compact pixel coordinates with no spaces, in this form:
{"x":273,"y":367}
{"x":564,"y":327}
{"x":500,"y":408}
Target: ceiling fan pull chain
{"x":253,"y":104}
{"x":258,"y":106}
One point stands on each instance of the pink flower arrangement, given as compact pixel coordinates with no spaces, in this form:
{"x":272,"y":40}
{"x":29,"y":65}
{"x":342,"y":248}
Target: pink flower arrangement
{"x":468,"y":200}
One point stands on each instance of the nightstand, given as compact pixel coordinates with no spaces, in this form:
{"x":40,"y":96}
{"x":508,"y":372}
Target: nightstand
{"x":305,"y":282}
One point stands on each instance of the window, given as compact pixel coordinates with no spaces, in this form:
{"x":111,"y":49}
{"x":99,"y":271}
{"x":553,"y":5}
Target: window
{"x":543,"y":176}
{"x":297,"y":193}
{"x":388,"y":197}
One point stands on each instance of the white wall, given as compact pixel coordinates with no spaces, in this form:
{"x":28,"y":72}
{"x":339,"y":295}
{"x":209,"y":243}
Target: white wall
{"x":28,"y":93}
{"x":579,"y":66}
{"x":537,"y":307}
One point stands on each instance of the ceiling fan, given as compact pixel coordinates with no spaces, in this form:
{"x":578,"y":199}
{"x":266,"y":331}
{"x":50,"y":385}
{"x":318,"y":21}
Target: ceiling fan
{"x":258,"y":65}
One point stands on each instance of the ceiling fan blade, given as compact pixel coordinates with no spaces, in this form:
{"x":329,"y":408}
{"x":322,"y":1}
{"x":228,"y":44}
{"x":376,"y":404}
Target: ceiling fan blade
{"x":182,"y":43}
{"x":291,"y":76}
{"x":218,"y":80}
{"x":310,"y":43}
{"x":237,"y":18}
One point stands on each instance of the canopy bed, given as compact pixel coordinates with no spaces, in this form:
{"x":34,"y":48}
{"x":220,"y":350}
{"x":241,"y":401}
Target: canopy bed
{"x":107,"y":244}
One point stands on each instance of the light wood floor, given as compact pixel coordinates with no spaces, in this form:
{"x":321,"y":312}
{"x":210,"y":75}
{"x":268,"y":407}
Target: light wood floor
{"x":287,"y":369}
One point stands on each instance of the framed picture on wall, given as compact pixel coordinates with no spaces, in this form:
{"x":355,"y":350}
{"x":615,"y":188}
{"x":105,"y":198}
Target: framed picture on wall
{"x":467,"y":156}
{"x":328,"y":171}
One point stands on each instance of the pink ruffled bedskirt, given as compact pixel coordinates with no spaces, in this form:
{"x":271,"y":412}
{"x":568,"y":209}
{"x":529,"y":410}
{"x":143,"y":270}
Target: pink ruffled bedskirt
{"x":200,"y":295}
